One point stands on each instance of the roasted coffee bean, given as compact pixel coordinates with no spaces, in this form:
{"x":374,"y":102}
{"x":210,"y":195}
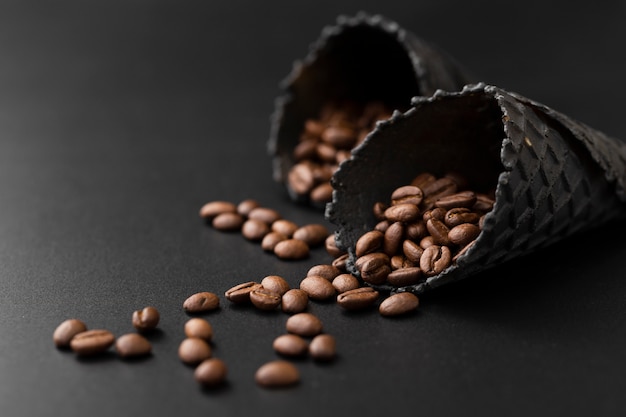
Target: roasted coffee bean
{"x":339,"y":136}
{"x":317,"y":288}
{"x":331,"y":247}
{"x":146,"y":319}
{"x":201,"y":302}
{"x":397,"y":262}
{"x":264,"y":299}
{"x":65,"y":331}
{"x":285,"y":227}
{"x":200,"y":328}
{"x":304,"y":324}
{"x":324,"y":172}
{"x":193,"y":350}
{"x":290,"y":345}
{"x":342,"y":155}
{"x":439,"y":231}
{"x":369,"y":242}
{"x":291,"y":249}
{"x":92,"y":342}
{"x":214,"y":208}
{"x":483,"y":203}
{"x":241,"y":293}
{"x":324,"y":270}
{"x":246,"y":206}
{"x":305,"y":149}
{"x":405,"y":213}
{"x":379,"y":210}
{"x":325,"y":152}
{"x":407,"y":194}
{"x":463,"y":234}
{"x":404,"y":276}
{"x":459,"y":179}
{"x":211,"y":372}
{"x":323,"y":347}
{"x":460,"y":215}
{"x":423,"y":180}
{"x":439,"y":188}
{"x":300,"y":179}
{"x":340,"y":262}
{"x":312,"y":234}
{"x":412,"y":251}
{"x":461,"y":199}
{"x":345,"y":282}
{"x":132,"y":345}
{"x":427,"y":241}
{"x":399,"y":304}
{"x":463,"y":251}
{"x":373,"y":267}
{"x":228,"y":221}
{"x":276,"y":284}
{"x":434,"y":213}
{"x":314,"y":127}
{"x":358,"y":299}
{"x":415,"y":231}
{"x":278,"y":373}
{"x":382,"y":226}
{"x":392,"y":239}
{"x":435,"y":259}
{"x":254,"y":229}
{"x":270,"y":241}
{"x":264,"y":214}
{"x":294,"y":301}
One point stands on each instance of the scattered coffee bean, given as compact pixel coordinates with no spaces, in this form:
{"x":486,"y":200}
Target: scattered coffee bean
{"x":290,"y":345}
{"x":358,"y":299}
{"x":146,"y":319}
{"x":211,"y":372}
{"x":294,"y":301}
{"x":201,"y":302}
{"x":254,"y":229}
{"x":304,"y":324}
{"x":200,"y":328}
{"x":345,"y":282}
{"x":312,"y":234}
{"x":323,"y":347}
{"x":241,"y":293}
{"x":324,"y":270}
{"x":264,"y":214}
{"x":132,"y":345}
{"x":284,"y":227}
{"x":405,"y":276}
{"x":317,"y":288}
{"x":194,"y":350}
{"x":278,"y":373}
{"x":276,"y":284}
{"x":398,"y":304}
{"x":291,"y":249}
{"x":246,"y":206}
{"x":214,"y":208}
{"x":270,"y":241}
{"x":92,"y":342}
{"x":228,"y":221}
{"x":64,"y":333}
{"x":264,"y":299}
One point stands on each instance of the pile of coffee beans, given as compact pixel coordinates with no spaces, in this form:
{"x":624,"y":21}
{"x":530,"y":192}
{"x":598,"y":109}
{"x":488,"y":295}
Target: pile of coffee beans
{"x":284,"y":238}
{"x":325,"y":142}
{"x":422,"y":230}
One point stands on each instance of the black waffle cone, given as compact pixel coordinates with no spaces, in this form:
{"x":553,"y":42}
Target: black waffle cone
{"x":554,"y":176}
{"x":363,"y":58}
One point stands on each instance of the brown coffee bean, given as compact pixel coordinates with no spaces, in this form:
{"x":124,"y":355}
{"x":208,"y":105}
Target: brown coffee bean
{"x":399,"y":304}
{"x":423,"y":180}
{"x":201,"y":302}
{"x":323,"y":347}
{"x":373,"y":267}
{"x":463,"y":234}
{"x":214,"y":208}
{"x":146,"y":319}
{"x":434,"y":191}
{"x":300,"y":179}
{"x":382,"y":226}
{"x":92,"y":342}
{"x":434,"y":213}
{"x":254,"y":229}
{"x":211,"y":372}
{"x":322,"y":193}
{"x":294,"y":301}
{"x":132,"y":345}
{"x":345,"y":282}
{"x":331,"y":247}
{"x":291,"y":249}
{"x":324,"y":270}
{"x":246,"y":206}
{"x":412,"y":251}
{"x":284,"y":227}
{"x":314,"y":127}
{"x":270,"y":241}
{"x":435,"y":259}
{"x":358,"y":299}
{"x":241,"y":293}
{"x":304,"y":324}
{"x":317,"y":288}
{"x":392,"y":239}
{"x":342,"y":155}
{"x":460,"y":215}
{"x":405,"y":213}
{"x":312,"y":234}
{"x":276,"y":284}
{"x":483,"y":203}
{"x":65,"y":331}
{"x":228,"y":221}
{"x":415,"y":231}
{"x":264,"y":299}
{"x":264,"y":214}
{"x":397,"y":262}
{"x":427,"y":241}
{"x":200,"y":328}
{"x":194,"y":350}
{"x":369,"y":242}
{"x":379,"y":209}
{"x":439,"y":231}
{"x":460,"y":199}
{"x":340,"y":262}
{"x":339,"y":136}
{"x":278,"y":373}
{"x":404,"y":276}
{"x":407,"y":194}
{"x":290,"y":345}
{"x":326,"y":152}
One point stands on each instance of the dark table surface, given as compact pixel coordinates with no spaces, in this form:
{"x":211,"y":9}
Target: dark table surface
{"x":119,"y":119}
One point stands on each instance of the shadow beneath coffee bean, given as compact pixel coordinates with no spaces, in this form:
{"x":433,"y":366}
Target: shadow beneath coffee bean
{"x":137,"y":359}
{"x":222,"y":388}
{"x":154,"y":335}
{"x":98,"y":358}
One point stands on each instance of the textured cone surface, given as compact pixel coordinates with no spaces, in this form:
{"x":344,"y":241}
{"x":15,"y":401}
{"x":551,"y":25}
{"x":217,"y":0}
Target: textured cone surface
{"x":363,"y":58}
{"x":555,"y":176}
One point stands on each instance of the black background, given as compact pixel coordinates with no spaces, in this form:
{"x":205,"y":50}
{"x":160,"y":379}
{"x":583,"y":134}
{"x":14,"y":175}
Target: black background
{"x":119,"y":119}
